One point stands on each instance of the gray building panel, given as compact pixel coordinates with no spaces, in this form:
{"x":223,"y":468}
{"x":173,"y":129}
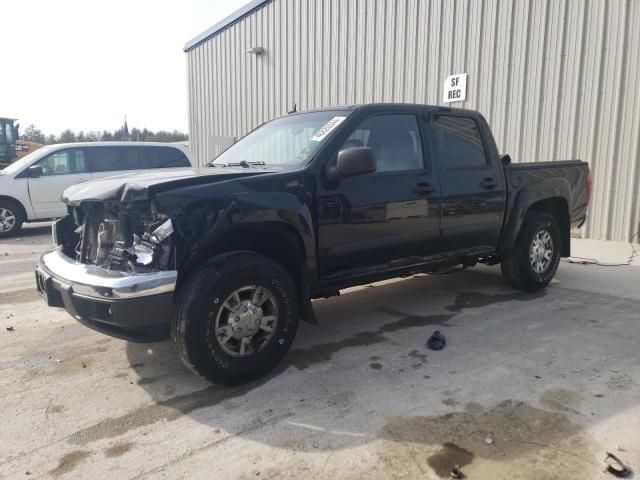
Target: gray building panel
{"x":555,"y":79}
{"x":224,"y":23}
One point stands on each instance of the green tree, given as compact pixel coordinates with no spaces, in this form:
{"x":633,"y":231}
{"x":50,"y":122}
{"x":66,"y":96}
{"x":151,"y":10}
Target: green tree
{"x":66,"y":136}
{"x":93,"y":136}
{"x":106,"y":136}
{"x":33,"y":134}
{"x":119,"y":135}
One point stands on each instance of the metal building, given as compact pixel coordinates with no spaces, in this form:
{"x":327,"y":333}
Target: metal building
{"x":556,"y":79}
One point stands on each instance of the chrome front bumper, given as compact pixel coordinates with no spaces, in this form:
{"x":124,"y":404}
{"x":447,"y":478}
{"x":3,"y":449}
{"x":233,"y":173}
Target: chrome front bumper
{"x":134,"y":307}
{"x":91,"y":281}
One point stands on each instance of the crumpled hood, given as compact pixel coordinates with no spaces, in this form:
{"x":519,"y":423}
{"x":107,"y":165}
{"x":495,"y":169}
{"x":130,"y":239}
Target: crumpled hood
{"x":141,"y":186}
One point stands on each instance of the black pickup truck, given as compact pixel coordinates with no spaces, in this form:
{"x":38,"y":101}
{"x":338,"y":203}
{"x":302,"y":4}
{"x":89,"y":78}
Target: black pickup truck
{"x":226,"y":259}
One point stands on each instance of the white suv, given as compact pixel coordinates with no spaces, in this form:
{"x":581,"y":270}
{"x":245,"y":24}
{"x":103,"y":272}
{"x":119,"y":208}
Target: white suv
{"x":30,"y":188}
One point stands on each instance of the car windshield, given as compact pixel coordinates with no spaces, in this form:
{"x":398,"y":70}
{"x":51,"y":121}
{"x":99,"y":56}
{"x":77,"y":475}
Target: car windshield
{"x":24,"y":162}
{"x":286,"y":142}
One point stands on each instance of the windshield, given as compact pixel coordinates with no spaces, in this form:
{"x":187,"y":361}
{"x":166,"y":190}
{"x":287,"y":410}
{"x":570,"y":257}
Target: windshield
{"x":24,"y":162}
{"x":286,"y":142}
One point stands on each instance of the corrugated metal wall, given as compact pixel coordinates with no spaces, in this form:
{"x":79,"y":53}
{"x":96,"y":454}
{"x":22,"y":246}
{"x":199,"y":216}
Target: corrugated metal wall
{"x":555,"y":79}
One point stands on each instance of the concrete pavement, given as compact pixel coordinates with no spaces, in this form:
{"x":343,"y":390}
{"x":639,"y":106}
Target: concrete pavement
{"x":529,"y":386}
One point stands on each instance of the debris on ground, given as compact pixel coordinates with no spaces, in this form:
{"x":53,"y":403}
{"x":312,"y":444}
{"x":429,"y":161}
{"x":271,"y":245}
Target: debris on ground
{"x":457,"y":473}
{"x":10,"y":329}
{"x":436,"y":341}
{"x":616,"y":467}
{"x":488,"y":441}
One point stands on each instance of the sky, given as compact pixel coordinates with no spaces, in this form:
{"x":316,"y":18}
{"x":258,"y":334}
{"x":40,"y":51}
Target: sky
{"x":85,"y":64}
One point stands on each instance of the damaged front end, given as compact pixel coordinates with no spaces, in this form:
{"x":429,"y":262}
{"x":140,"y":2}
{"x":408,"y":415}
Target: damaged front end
{"x":113,"y":269}
{"x":126,"y":237}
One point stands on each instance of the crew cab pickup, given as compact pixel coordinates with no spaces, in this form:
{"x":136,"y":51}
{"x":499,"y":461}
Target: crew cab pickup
{"x":225,"y":261}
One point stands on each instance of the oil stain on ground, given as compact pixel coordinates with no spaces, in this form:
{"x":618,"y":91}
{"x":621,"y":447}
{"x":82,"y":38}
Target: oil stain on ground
{"x":477,"y":300}
{"x":410,"y":321}
{"x":15,"y":297}
{"x":69,"y":461}
{"x":118,"y":449}
{"x":528,"y":443}
{"x":150,"y":380}
{"x":167,"y":410}
{"x":561,"y":400}
{"x":51,"y":409}
{"x":303,"y":358}
{"x":447,"y":457}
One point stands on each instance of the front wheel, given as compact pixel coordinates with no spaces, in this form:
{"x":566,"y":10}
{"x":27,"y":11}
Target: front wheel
{"x":11,"y":219}
{"x":235,"y":317}
{"x":535,"y":258}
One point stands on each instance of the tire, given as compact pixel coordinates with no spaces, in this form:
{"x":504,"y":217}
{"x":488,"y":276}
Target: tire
{"x":11,"y":218}
{"x":527,"y":267}
{"x":206,"y":304}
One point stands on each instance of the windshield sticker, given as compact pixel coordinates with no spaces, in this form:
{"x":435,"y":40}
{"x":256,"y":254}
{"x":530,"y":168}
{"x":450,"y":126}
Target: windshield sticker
{"x":327,"y":128}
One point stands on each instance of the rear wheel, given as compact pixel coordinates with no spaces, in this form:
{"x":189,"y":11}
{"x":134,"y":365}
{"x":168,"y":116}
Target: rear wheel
{"x":235,"y":317}
{"x":11,"y":218}
{"x":535,"y":258}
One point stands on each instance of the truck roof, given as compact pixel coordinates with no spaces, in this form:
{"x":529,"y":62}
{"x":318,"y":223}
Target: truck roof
{"x":391,"y":106}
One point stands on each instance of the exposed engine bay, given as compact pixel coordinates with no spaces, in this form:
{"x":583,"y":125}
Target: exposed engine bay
{"x":129,"y":237}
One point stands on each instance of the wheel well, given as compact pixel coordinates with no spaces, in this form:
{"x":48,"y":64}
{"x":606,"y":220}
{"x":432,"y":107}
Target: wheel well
{"x":559,"y":208}
{"x":281,"y":244}
{"x":17,"y":203}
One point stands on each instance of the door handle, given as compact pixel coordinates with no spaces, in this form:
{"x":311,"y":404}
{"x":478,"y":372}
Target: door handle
{"x":488,"y":183}
{"x":424,"y":189}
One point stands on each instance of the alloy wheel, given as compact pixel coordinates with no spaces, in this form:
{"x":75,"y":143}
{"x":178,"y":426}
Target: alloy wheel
{"x":541,"y":251}
{"x":7,"y":220}
{"x":246,"y":321}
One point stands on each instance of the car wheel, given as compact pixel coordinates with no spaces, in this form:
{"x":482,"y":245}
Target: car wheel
{"x":11,"y":219}
{"x":235,"y":317}
{"x":534,"y":261}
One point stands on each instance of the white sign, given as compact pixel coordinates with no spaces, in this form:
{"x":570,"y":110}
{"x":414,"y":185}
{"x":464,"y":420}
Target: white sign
{"x":455,"y":88}
{"x":327,"y":128}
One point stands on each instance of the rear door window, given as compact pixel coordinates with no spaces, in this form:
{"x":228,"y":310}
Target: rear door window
{"x":135,"y":158}
{"x":110,"y":159}
{"x":103,"y":159}
{"x":458,"y":142}
{"x":167,"y":157}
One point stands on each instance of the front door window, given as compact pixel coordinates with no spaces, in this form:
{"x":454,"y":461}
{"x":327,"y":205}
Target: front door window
{"x":63,"y":162}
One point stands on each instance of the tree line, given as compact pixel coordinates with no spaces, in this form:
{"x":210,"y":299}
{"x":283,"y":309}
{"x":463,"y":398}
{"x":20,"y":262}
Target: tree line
{"x":33,"y":134}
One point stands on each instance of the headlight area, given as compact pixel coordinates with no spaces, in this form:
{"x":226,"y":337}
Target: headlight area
{"x":152,"y":248}
{"x":132,"y":237}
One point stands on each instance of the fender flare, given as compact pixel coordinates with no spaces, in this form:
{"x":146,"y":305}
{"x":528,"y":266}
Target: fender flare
{"x":529,"y":195}
{"x":270,"y":212}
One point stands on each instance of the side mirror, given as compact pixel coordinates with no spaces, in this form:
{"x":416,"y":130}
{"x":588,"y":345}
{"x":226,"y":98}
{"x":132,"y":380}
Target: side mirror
{"x":353,"y":161}
{"x":34,"y":171}
{"x":505,"y":159}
